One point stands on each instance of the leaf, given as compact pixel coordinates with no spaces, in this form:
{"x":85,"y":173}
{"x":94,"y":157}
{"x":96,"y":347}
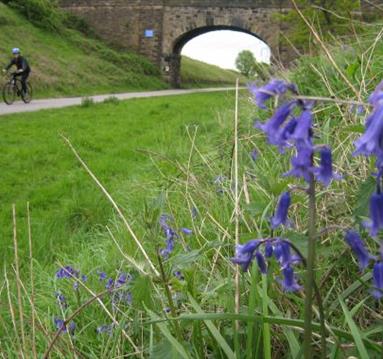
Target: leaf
{"x":213,"y":330}
{"x":166,"y":332}
{"x":363,"y":196}
{"x":355,"y":332}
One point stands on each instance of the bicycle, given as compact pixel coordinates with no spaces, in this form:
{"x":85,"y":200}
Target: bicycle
{"x":13,"y":88}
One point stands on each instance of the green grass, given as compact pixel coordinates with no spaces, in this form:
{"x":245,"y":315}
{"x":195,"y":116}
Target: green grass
{"x":195,"y":73}
{"x":110,"y":137}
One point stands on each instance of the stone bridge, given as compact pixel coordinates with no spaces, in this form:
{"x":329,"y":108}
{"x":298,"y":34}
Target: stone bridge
{"x":158,"y":29}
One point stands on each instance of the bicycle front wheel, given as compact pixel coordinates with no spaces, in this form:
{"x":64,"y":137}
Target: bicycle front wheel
{"x":27,"y":97}
{"x":9,"y":93}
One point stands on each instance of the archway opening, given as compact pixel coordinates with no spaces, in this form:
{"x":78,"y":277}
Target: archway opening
{"x":214,"y":45}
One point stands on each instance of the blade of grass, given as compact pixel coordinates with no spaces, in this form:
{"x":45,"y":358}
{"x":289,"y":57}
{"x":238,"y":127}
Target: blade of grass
{"x":354,"y":331}
{"x":213,"y":329}
{"x":172,"y":340}
{"x":266,"y":326}
{"x":252,"y":306}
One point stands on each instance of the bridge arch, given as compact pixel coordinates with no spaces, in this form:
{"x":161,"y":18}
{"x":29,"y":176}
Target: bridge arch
{"x":172,"y":62}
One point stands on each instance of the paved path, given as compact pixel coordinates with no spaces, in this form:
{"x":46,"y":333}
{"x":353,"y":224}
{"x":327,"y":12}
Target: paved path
{"x":37,"y":105}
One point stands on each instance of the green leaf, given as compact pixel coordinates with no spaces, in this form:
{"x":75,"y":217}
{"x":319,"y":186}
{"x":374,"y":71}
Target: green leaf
{"x":355,"y":332}
{"x":166,"y":332}
{"x":213,"y":329}
{"x":363,"y":196}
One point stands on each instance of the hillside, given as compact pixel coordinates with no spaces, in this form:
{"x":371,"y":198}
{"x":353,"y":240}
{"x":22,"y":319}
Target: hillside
{"x":196,"y":73}
{"x":72,"y":64}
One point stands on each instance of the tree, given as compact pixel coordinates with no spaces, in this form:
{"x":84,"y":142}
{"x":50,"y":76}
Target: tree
{"x":245,"y":63}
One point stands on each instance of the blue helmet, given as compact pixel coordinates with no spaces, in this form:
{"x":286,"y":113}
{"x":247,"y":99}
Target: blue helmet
{"x":15,"y":51}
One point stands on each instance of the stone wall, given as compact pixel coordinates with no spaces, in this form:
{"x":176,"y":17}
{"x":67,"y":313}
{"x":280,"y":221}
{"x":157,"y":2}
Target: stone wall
{"x":156,"y":28}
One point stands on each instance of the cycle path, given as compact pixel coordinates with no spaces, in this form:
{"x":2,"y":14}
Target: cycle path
{"x":37,"y":105}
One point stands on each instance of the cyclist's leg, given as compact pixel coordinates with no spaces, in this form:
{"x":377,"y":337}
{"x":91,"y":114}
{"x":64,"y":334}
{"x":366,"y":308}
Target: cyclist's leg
{"x":24,"y":77}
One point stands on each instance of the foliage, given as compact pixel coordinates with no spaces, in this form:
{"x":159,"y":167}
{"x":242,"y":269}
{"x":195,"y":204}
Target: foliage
{"x":245,"y":63}
{"x":330,"y":18}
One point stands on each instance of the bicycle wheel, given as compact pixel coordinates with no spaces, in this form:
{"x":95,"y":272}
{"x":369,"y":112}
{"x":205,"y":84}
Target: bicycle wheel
{"x":27,"y":97}
{"x":9,"y":93}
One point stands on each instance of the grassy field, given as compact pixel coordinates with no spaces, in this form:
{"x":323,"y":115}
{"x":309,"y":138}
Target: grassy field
{"x":71,"y":64}
{"x":118,"y":141}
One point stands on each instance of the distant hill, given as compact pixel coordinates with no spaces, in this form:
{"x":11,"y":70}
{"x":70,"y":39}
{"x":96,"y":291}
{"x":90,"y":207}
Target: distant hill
{"x":69,"y":63}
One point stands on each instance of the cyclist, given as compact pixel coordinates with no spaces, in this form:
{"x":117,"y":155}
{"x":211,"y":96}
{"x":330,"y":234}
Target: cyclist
{"x":22,"y":67}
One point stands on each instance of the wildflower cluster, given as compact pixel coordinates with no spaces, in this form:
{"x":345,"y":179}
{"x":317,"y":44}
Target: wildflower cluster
{"x":170,"y":234}
{"x":290,"y":127}
{"x":370,"y":144}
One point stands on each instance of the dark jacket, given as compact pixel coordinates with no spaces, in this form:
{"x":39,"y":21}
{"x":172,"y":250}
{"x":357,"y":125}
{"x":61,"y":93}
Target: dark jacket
{"x":21,"y":63}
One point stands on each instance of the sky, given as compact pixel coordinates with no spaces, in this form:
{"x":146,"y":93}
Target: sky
{"x":222,"y":47}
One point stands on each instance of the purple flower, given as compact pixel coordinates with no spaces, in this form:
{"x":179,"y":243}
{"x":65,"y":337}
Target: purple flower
{"x":122,"y":279}
{"x":244,"y":253}
{"x":282,"y":210}
{"x":377,"y":278}
{"x":169,"y":248}
{"x":67,"y":272}
{"x":60,"y":325}
{"x":101,"y":275}
{"x":376,"y":214}
{"x":376,"y":97}
{"x":61,"y":299}
{"x":289,"y":283}
{"x":109,"y":284}
{"x":268,"y":249}
{"x":324,"y":172}
{"x":282,"y":253}
{"x":303,"y":129}
{"x":261,"y":262}
{"x":301,"y":163}
{"x":357,"y":246}
{"x":271,"y":89}
{"x":285,"y":133}
{"x":371,"y":142}
{"x":272,"y":128}
{"x":122,"y":297}
{"x":187,"y":231}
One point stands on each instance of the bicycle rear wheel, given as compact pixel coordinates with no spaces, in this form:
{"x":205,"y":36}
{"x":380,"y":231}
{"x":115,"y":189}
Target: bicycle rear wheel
{"x":9,"y":93}
{"x":27,"y":97}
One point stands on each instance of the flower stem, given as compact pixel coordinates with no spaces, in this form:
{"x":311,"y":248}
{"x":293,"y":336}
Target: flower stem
{"x":310,"y":271}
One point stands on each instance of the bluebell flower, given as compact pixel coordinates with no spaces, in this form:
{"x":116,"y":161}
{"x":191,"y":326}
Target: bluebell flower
{"x":289,"y":282}
{"x":324,"y":173}
{"x":282,"y":253}
{"x":280,"y":216}
{"x":244,"y":253}
{"x":122,"y":279}
{"x":371,"y":142}
{"x":101,"y":276}
{"x":67,"y":272}
{"x":273,"y":127}
{"x":187,"y":231}
{"x":109,"y":284}
{"x":303,"y":129}
{"x":376,"y":214}
{"x":122,"y":297}
{"x":61,"y":300}
{"x":283,"y":137}
{"x":301,"y":163}
{"x":357,"y":246}
{"x":261,"y":262}
{"x":273,"y":88}
{"x":268,"y":249}
{"x":169,"y":248}
{"x":377,"y":279}
{"x":376,"y":97}
{"x":60,"y":325}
